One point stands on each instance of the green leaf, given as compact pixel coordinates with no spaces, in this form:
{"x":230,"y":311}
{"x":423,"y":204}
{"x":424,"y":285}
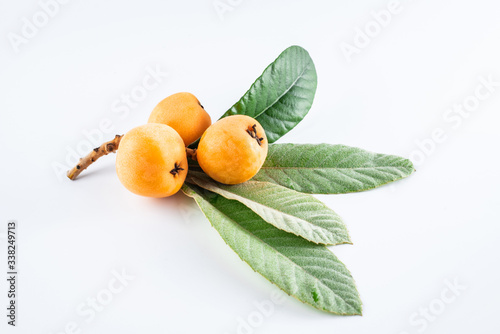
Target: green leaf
{"x":307,"y":271}
{"x":281,"y":97}
{"x":288,"y":210}
{"x":330,"y":169}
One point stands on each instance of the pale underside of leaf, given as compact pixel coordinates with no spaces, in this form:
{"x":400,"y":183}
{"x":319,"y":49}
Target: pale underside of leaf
{"x":330,"y":169}
{"x":288,"y":210}
{"x":307,"y":271}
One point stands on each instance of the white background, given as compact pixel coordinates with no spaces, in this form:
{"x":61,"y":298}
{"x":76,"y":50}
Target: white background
{"x":411,"y":238}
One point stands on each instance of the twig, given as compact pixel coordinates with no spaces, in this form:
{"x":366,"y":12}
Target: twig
{"x":105,"y":149}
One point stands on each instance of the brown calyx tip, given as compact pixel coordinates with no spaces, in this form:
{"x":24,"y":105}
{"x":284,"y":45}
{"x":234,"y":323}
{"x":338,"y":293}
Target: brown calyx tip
{"x":252,"y":131}
{"x":176,"y":169}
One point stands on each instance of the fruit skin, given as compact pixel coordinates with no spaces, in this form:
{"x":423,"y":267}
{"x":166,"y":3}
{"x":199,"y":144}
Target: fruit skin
{"x":184,"y":113}
{"x":146,"y":156}
{"x":228,"y":153}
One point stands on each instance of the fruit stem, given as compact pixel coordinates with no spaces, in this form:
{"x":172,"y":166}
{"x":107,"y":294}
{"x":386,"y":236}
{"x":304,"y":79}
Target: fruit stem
{"x":191,"y":153}
{"x":105,"y":149}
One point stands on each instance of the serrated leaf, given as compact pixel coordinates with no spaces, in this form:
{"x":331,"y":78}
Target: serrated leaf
{"x":330,"y":169}
{"x":281,"y":97}
{"x":288,"y":210}
{"x":307,"y":271}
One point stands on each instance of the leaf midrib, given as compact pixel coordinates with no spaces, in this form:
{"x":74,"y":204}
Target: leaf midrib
{"x":334,"y":168}
{"x":286,"y":91}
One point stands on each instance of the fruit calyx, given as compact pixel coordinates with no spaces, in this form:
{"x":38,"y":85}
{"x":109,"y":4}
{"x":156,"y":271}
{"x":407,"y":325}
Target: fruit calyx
{"x":176,"y":169}
{"x":252,"y":131}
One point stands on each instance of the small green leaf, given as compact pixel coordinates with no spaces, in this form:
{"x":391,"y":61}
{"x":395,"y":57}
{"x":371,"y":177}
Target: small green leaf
{"x":288,"y":210}
{"x":330,"y":169}
{"x":282,"y":96}
{"x":307,"y":271}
